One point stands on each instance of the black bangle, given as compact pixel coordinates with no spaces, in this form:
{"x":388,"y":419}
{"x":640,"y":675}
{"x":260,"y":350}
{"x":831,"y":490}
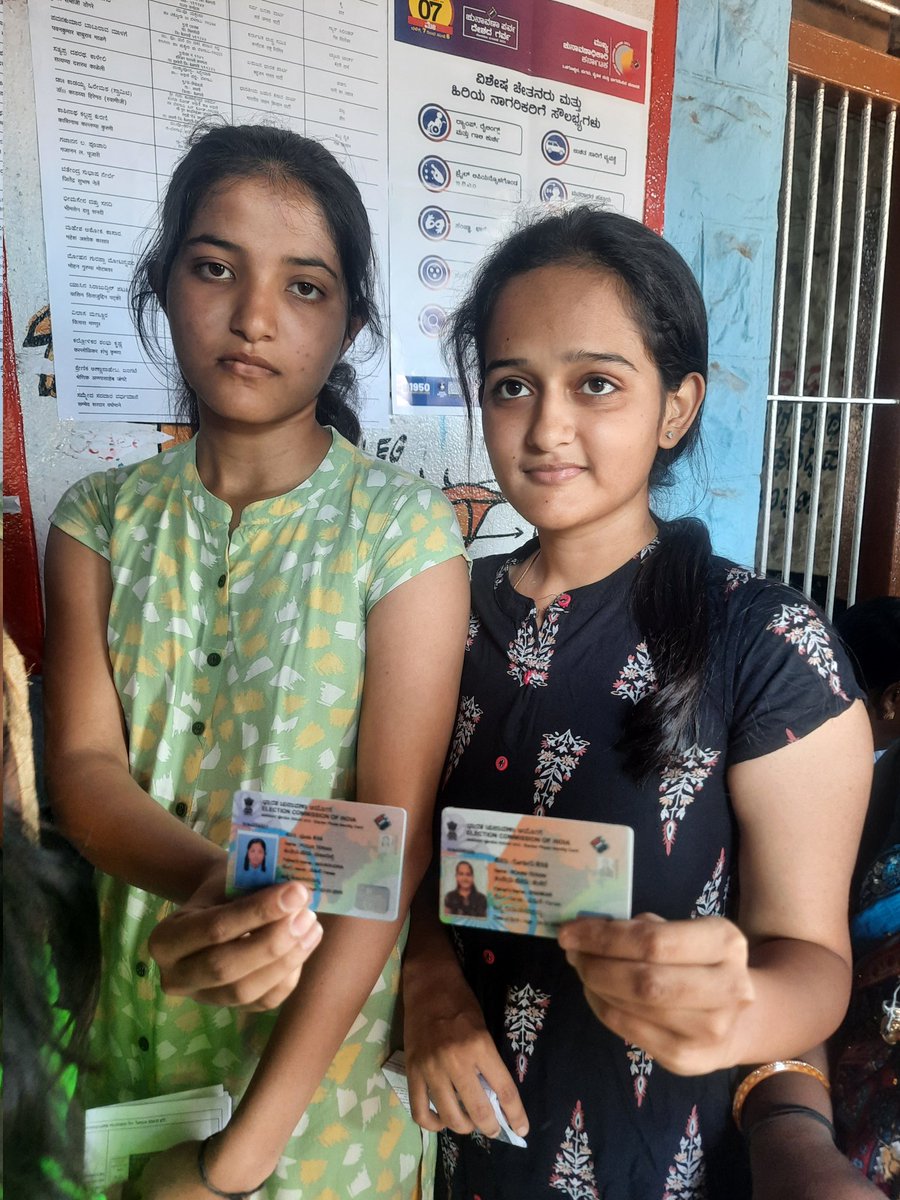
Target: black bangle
{"x":790,"y":1110}
{"x":204,"y":1178}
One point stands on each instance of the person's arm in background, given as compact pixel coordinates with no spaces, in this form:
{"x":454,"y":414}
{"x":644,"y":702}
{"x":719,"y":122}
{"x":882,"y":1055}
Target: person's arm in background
{"x":793,"y":1156}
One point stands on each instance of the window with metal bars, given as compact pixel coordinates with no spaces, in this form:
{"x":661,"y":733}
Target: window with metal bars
{"x":828,"y":322}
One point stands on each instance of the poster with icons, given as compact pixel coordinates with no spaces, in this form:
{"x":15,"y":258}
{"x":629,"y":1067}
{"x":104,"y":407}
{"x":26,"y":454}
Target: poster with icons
{"x":120,"y":86}
{"x":452,"y":117}
{"x":496,"y":109}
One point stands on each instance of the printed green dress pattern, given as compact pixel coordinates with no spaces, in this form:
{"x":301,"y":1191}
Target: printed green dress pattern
{"x":239,"y":664}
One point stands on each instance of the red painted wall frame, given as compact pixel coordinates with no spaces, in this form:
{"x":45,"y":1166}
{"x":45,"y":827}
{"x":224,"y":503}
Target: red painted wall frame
{"x":662,"y":84}
{"x":23,"y":612}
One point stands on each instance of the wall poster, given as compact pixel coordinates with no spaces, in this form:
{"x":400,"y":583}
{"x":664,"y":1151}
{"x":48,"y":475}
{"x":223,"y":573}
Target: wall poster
{"x":450,"y":115}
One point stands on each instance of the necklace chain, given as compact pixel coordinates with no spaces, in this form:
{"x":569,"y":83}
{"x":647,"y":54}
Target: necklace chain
{"x":534,"y":559}
{"x":518,"y":583}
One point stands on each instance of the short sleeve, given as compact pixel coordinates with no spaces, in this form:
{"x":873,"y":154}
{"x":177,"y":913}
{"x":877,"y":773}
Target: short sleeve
{"x":86,"y":511}
{"x":791,"y":672}
{"x":419,"y":530}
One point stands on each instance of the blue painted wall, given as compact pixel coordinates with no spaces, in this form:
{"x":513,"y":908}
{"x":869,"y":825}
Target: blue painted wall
{"x":724,"y":173}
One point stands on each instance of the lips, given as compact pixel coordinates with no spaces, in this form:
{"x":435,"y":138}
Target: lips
{"x":248,"y":366}
{"x":551,"y":473}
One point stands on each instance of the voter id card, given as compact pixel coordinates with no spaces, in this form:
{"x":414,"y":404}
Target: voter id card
{"x":349,"y":855}
{"x":529,"y":874}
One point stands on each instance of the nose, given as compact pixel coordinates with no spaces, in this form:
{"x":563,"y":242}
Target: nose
{"x":552,"y":419}
{"x":254,"y":316}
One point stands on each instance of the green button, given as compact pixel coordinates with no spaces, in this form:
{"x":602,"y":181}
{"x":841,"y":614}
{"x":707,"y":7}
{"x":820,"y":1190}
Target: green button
{"x":214,"y":659}
{"x":143,"y":1044}
{"x":222,"y":579}
{"x":141,"y":969}
{"x":197,"y":727}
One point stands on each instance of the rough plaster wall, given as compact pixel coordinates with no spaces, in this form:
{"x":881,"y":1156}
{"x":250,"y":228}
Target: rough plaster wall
{"x":721,"y":212}
{"x":723,"y":176}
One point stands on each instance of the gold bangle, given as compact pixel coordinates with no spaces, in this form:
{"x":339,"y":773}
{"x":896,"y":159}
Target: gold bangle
{"x":749,"y":1082}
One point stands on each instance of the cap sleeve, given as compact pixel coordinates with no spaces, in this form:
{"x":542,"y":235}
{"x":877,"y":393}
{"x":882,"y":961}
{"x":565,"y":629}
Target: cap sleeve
{"x":791,"y":675}
{"x":86,"y":511}
{"x":419,"y":530}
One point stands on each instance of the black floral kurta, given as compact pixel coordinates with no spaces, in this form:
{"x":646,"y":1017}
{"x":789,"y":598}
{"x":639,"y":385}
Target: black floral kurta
{"x":540,"y":714}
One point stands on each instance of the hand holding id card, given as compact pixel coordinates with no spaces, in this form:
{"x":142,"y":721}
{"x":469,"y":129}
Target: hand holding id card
{"x":527,"y":874}
{"x":349,"y":855}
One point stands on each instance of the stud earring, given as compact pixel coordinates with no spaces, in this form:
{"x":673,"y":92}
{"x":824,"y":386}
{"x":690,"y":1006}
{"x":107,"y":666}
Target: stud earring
{"x":670,"y":433}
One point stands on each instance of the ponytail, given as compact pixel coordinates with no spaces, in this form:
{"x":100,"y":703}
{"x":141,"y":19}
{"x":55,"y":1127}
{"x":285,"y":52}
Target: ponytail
{"x":670,"y":601}
{"x":335,"y":405}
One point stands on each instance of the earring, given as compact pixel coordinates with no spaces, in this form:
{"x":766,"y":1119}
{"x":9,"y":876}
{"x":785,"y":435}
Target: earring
{"x":670,"y":433}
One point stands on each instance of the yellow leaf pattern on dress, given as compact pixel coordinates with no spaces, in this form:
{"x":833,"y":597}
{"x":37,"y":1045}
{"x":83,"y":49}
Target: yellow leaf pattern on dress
{"x":286,"y":625}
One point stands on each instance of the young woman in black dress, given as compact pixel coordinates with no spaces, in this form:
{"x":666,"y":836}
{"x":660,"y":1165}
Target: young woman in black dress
{"x":619,"y":671}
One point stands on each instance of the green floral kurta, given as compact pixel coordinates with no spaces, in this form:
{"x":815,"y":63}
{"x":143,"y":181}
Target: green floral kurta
{"x":239,"y":664}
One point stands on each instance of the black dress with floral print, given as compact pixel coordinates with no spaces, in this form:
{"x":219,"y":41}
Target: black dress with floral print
{"x":541,"y":712}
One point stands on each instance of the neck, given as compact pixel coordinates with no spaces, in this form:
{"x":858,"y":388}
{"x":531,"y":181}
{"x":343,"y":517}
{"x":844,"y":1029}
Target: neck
{"x":241,"y":465}
{"x":575,"y":557}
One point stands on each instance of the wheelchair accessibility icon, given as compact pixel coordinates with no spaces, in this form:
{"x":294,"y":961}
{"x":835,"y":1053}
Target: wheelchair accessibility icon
{"x":435,"y":122}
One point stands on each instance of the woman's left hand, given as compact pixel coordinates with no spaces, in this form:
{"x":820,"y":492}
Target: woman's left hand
{"x":675,"y":988}
{"x":171,"y":1175}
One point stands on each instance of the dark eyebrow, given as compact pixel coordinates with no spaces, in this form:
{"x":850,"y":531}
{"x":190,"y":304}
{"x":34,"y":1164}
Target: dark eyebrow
{"x":575,"y":356}
{"x":501,"y":364}
{"x":209,"y":239}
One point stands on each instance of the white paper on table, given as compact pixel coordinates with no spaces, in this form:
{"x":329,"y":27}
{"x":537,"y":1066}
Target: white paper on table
{"x":118,"y":1137}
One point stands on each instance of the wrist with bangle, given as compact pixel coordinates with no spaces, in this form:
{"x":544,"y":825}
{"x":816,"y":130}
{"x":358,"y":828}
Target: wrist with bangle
{"x":210,"y":1187}
{"x":774,"y":1112}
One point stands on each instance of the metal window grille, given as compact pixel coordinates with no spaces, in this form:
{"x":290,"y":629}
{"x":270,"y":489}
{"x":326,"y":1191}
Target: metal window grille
{"x":835,"y":203}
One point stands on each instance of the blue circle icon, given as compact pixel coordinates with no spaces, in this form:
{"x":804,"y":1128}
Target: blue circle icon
{"x":434,"y":223}
{"x":553,"y":191}
{"x":434,"y":272}
{"x":434,"y":173}
{"x":435,"y":122}
{"x":555,"y":147}
{"x":431,"y":320}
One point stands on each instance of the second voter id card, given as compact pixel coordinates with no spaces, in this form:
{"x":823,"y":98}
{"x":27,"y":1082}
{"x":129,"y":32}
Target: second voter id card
{"x":349,"y":855}
{"x":529,"y":874}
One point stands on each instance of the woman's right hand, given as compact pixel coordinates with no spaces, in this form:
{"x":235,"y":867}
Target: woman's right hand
{"x":447,"y":1048}
{"x":245,"y":952}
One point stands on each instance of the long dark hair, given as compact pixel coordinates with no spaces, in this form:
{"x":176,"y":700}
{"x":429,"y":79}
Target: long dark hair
{"x":254,"y":842}
{"x":217,"y":155}
{"x":870,"y":631}
{"x":669,"y":598}
{"x":51,"y":965}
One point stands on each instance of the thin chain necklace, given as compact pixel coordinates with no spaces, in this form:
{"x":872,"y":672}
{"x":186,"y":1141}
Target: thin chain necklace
{"x":518,"y":583}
